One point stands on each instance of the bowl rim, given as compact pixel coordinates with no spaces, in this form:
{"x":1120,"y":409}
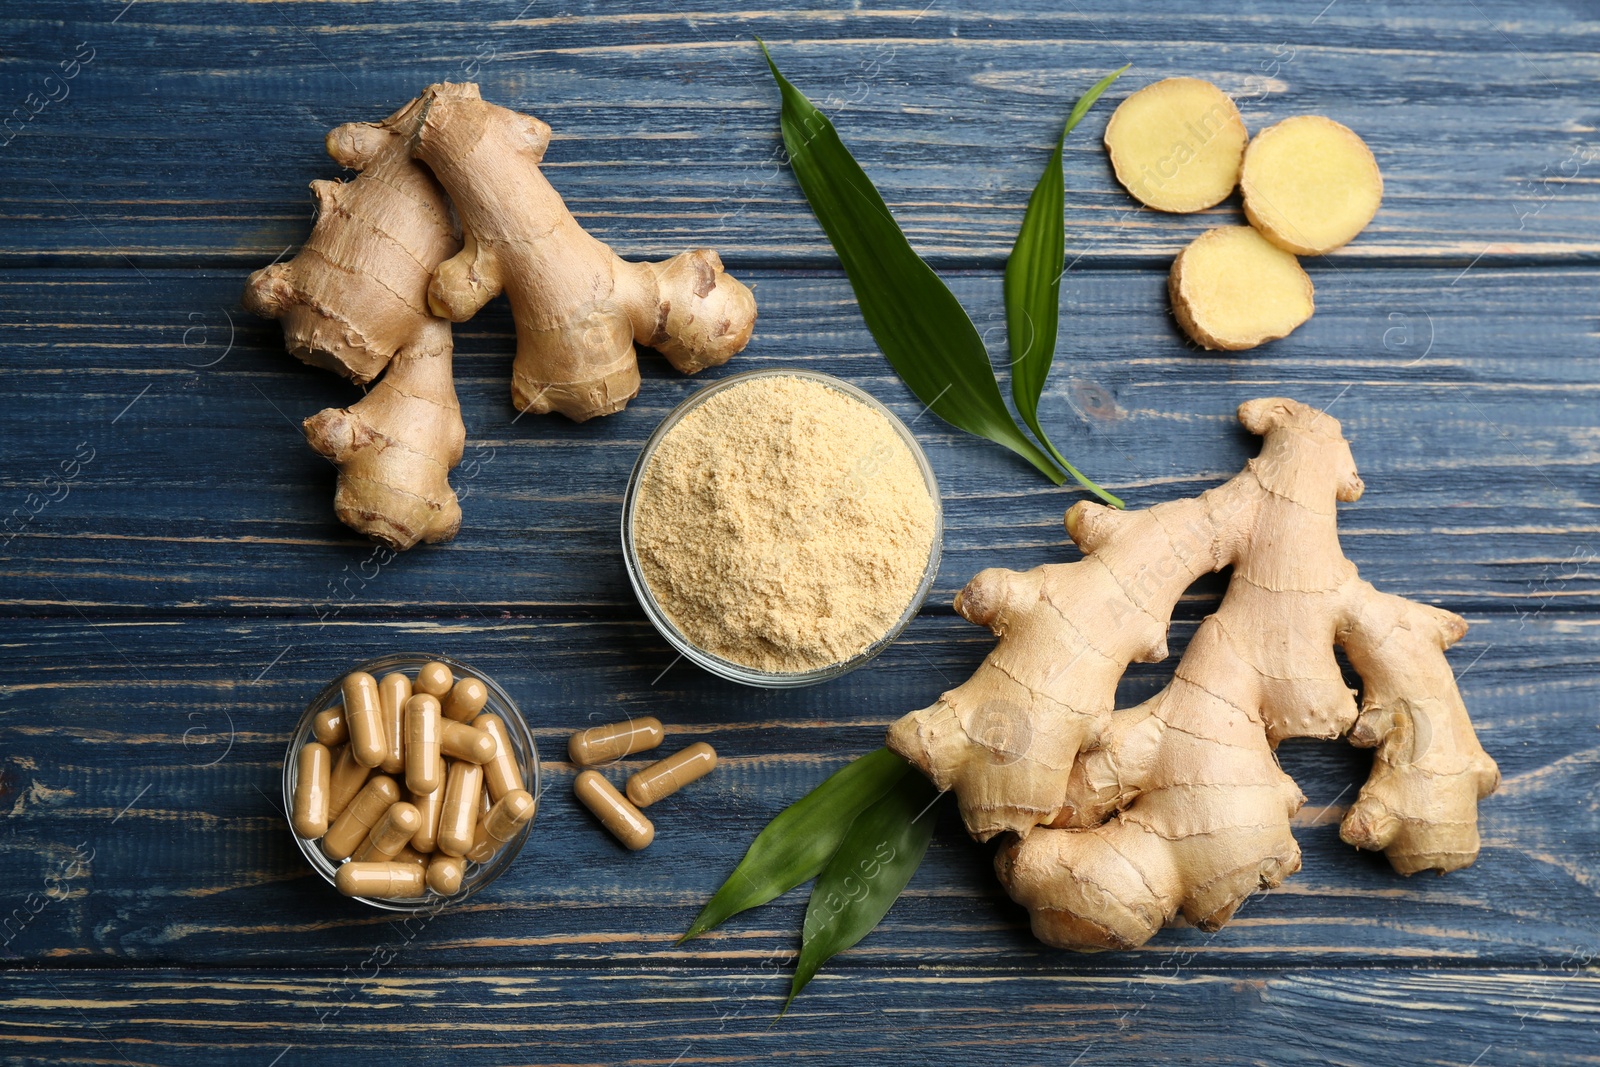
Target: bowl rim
{"x":516,"y":728}
{"x":738,"y":672}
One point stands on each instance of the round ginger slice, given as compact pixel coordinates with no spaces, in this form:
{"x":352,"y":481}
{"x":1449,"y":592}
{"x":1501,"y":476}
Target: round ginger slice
{"x":1233,"y":289}
{"x":1176,"y":144}
{"x":1310,"y":184}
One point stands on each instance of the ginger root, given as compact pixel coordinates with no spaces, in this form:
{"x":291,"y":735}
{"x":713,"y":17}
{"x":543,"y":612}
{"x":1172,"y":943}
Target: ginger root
{"x":579,"y":308}
{"x":1309,"y":184}
{"x":1118,"y":821}
{"x":386,"y":270}
{"x":354,"y":301}
{"x":1232,"y":289}
{"x":1176,"y":144}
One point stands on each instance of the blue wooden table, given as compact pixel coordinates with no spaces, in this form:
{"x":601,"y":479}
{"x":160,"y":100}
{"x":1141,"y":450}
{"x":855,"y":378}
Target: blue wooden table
{"x":169,"y":608}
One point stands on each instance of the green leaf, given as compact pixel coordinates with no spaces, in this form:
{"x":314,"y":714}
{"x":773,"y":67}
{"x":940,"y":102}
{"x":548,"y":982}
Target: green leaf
{"x":874,"y":862}
{"x":799,"y":842}
{"x":918,"y":323}
{"x":1033,"y":289}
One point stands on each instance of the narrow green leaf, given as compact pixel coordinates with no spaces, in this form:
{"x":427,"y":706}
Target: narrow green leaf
{"x":874,"y":862}
{"x":799,"y":842}
{"x":1033,"y":289}
{"x":918,"y":323}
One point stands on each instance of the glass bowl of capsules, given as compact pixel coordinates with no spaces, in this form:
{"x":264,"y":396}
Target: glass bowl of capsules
{"x":411,"y":782}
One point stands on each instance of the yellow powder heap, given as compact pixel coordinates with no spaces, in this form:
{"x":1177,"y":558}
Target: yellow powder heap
{"x":783,"y":525}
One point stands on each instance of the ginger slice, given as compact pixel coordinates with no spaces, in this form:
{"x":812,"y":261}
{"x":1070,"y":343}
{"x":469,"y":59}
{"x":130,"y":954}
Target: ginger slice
{"x":1176,"y":145}
{"x":1310,"y":184}
{"x":1231,"y":289}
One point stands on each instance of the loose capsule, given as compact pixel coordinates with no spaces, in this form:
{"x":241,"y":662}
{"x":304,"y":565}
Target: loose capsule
{"x":665,"y":777}
{"x":466,"y":700}
{"x":429,"y":805}
{"x":329,"y":727}
{"x":353,"y":825}
{"x":501,"y":775}
{"x":444,"y":874}
{"x":390,"y":833}
{"x":422,"y":744}
{"x":460,"y":741}
{"x":501,"y":824}
{"x":348,"y":776}
{"x":310,"y":817}
{"x":434,"y":679}
{"x":383,"y":881}
{"x":458,"y":817}
{"x":602,"y":744}
{"x":626,"y":823}
{"x":393,"y":691}
{"x":363,"y":714}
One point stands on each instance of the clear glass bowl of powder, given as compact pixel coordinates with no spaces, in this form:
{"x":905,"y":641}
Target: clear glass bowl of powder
{"x":781,"y":528}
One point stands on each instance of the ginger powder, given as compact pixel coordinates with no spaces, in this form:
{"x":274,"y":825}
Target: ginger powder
{"x":783,"y":525}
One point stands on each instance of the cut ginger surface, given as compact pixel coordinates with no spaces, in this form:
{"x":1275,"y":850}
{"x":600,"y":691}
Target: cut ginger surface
{"x":1310,"y":184}
{"x":1232,"y":289}
{"x":1176,"y":144}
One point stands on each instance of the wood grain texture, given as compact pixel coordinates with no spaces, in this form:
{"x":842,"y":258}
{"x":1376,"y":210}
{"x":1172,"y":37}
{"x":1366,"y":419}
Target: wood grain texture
{"x":158,"y":745}
{"x":1471,"y":408}
{"x":666,"y":120}
{"x":167,"y":608}
{"x":715,"y":1015}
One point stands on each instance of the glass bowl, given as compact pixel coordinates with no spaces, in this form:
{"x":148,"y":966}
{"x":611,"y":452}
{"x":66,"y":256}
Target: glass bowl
{"x":476,"y":875}
{"x":738,"y":672}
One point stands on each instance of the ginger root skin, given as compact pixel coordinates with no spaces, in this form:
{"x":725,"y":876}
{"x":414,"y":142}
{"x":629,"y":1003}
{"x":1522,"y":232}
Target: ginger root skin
{"x":1006,"y":739}
{"x":1178,"y":806}
{"x":579,"y":308}
{"x":354,"y":301}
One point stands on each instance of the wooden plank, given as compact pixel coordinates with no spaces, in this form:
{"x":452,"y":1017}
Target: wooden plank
{"x":194,"y":129}
{"x":664,"y":1015}
{"x":1469,"y":399}
{"x":155,"y":748}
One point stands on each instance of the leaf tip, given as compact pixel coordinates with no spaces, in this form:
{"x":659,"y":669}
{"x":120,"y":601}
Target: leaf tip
{"x":768,"y":56}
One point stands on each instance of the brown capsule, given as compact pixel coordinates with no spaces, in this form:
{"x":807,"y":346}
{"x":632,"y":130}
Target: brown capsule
{"x":363,"y":714}
{"x":422,"y":744}
{"x":602,"y":744}
{"x":460,"y":741}
{"x":458,"y":817}
{"x":626,"y":822}
{"x":466,"y":700}
{"x":394,"y":690}
{"x":329,"y":727}
{"x":501,"y":775}
{"x":390,"y":834}
{"x":502,"y":822}
{"x":434,"y":679}
{"x":383,"y":881}
{"x":357,"y":820}
{"x":444,"y":874}
{"x":311,"y":790}
{"x":345,"y":782}
{"x":407,"y":854}
{"x":428,"y":806}
{"x":665,"y":777}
